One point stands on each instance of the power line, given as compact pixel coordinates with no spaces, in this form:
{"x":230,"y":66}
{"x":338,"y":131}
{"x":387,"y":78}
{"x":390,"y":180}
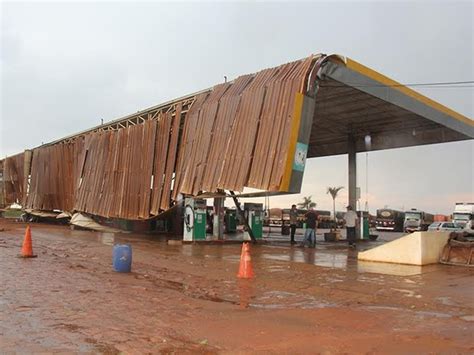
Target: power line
{"x":439,"y":83}
{"x":447,"y":84}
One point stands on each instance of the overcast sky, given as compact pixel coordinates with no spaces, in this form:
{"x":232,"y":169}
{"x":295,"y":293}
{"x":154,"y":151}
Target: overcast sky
{"x":66,"y":66}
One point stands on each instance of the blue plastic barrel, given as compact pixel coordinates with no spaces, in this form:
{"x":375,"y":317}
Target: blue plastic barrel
{"x":122,"y":258}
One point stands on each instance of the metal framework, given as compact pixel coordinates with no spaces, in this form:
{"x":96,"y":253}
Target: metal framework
{"x":133,"y":119}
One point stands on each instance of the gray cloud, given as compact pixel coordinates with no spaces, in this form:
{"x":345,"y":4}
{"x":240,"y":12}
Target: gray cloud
{"x":66,"y":66}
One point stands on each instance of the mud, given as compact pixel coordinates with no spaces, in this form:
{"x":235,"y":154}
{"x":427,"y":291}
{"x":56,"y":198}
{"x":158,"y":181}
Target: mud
{"x":187,"y":299}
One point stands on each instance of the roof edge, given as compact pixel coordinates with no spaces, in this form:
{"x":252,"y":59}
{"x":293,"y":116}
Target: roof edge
{"x":374,"y":75}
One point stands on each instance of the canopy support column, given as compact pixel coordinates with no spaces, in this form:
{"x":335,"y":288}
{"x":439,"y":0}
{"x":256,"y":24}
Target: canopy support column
{"x":351,"y":145}
{"x":218,"y":218}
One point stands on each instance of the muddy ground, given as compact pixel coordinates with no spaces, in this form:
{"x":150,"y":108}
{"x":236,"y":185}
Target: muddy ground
{"x":187,"y":299}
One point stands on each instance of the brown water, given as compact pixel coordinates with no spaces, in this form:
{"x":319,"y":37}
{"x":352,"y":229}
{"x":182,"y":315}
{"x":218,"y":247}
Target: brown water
{"x":186,"y":298}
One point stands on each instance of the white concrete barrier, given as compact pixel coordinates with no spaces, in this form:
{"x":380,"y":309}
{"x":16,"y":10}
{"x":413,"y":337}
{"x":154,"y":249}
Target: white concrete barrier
{"x":418,"y":248}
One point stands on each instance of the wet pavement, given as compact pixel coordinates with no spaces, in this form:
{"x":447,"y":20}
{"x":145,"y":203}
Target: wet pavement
{"x":187,"y":299}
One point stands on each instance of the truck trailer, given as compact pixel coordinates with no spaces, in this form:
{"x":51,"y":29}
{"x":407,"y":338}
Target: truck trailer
{"x":389,"y":220}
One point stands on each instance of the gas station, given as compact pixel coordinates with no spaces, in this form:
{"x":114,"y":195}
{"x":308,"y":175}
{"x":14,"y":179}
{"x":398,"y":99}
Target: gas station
{"x":269,"y":122}
{"x":237,"y":177}
{"x":356,"y":109}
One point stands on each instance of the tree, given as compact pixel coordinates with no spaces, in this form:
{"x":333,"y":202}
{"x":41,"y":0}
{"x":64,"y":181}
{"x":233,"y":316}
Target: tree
{"x":307,"y":203}
{"x":333,"y":191}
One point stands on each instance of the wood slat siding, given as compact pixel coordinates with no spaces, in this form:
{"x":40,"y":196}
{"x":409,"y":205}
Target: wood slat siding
{"x":200,"y":138}
{"x":52,"y":178}
{"x":186,"y":145}
{"x":117,"y":170}
{"x":235,"y":135}
{"x":272,"y":141}
{"x":13,"y":175}
{"x":241,"y":144}
{"x":223,"y":124}
{"x":171,"y":159}
{"x":161,"y":154}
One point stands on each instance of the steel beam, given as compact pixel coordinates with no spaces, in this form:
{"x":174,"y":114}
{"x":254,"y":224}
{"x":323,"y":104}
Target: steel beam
{"x":352,"y":167}
{"x":242,"y":216}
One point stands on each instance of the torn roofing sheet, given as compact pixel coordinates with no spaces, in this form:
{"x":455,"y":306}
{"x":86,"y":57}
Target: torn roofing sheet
{"x":231,"y":137}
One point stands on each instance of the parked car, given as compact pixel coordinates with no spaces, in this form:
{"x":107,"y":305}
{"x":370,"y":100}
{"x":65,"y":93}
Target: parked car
{"x":469,"y":228}
{"x":444,"y":227}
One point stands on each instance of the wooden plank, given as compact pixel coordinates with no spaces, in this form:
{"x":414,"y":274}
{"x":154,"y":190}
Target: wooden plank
{"x":171,"y":159}
{"x":185,"y":149}
{"x":14,"y":178}
{"x":161,"y":152}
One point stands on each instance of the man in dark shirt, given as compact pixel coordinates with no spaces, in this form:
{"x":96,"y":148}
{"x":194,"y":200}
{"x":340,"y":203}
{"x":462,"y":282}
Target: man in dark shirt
{"x":311,"y":224}
{"x":293,"y":222}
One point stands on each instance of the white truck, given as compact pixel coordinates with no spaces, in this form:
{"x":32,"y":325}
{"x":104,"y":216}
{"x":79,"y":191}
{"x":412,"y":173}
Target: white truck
{"x":463,"y":213}
{"x":416,"y":220}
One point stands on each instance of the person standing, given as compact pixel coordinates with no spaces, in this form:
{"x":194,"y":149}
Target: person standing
{"x":293,"y":223}
{"x":350,"y":218}
{"x":311,"y":224}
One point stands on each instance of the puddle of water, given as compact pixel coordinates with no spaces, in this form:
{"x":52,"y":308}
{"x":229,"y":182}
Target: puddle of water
{"x":187,"y":250}
{"x":311,"y":257}
{"x":276,"y":268}
{"x":184,"y":289}
{"x":421,"y":314}
{"x":344,"y":259}
{"x":232,"y":258}
{"x":106,"y":238}
{"x":377,"y":280}
{"x":424,"y":314}
{"x":406,"y":293}
{"x":334,"y":279}
{"x":388,"y":269}
{"x":446,"y":301}
{"x":383,"y":308}
{"x":285,"y":300}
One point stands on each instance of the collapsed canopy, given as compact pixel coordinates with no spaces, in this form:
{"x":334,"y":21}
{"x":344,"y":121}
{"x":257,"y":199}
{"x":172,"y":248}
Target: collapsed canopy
{"x":255,"y":131}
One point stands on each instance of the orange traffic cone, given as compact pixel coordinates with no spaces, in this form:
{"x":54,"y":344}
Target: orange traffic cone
{"x":27,"y":249}
{"x":245,"y":268}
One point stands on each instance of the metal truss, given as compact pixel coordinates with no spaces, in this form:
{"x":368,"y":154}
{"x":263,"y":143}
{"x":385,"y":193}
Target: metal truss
{"x":136,"y":118}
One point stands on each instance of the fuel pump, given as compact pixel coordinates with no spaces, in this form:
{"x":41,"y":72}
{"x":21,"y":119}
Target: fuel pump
{"x":254,"y":214}
{"x":230,"y":221}
{"x":364,"y":225}
{"x":194,"y":219}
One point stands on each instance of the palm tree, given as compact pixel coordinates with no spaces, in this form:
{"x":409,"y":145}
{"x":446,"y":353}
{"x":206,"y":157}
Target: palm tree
{"x":307,"y":203}
{"x":333,"y":191}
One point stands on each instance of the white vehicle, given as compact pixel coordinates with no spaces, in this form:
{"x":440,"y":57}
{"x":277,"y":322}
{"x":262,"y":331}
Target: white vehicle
{"x":444,"y":227}
{"x":416,"y":220}
{"x":463,"y":212}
